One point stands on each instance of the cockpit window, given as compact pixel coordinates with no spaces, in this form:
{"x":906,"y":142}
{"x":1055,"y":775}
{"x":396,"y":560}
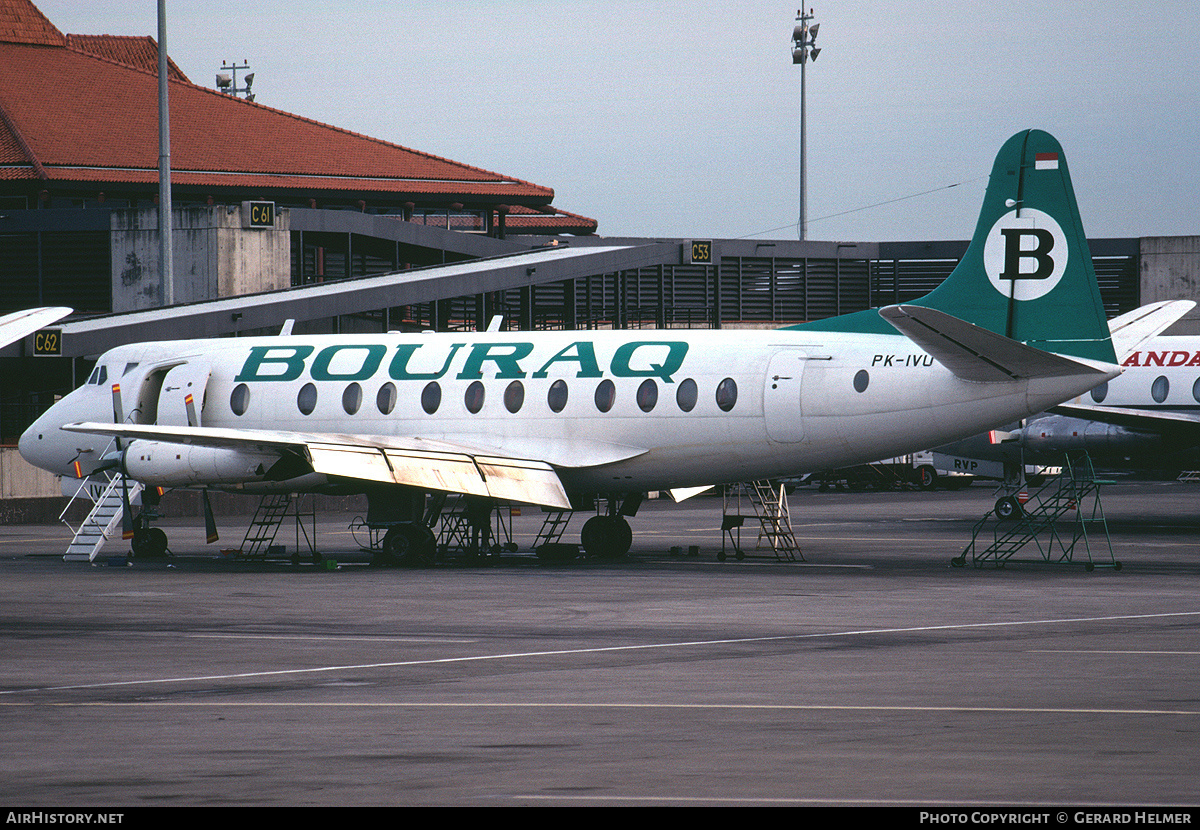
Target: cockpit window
{"x":129,"y":367}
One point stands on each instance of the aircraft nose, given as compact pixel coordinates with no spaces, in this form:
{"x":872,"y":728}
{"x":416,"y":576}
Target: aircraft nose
{"x":41,"y":444}
{"x":31,"y":444}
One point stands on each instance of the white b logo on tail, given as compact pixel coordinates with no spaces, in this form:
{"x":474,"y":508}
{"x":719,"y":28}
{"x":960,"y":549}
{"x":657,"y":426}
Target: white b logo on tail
{"x":1025,"y":256}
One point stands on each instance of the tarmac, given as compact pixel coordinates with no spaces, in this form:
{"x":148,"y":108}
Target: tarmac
{"x":873,"y":672}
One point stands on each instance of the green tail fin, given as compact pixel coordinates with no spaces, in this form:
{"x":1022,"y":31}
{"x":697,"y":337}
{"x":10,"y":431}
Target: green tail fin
{"x":1027,"y":273}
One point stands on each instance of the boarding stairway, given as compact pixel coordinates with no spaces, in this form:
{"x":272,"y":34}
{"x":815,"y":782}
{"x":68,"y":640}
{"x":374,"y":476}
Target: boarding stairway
{"x":104,"y":517}
{"x":770,"y":509}
{"x":1054,"y":520}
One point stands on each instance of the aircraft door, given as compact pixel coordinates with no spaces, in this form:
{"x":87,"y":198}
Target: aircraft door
{"x":175,"y":408}
{"x":781,"y":396}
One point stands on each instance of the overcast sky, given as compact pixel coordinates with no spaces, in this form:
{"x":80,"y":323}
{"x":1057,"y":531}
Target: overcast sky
{"x":682,"y":119}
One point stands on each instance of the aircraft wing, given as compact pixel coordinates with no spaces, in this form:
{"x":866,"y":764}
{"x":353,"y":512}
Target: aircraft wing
{"x":1133,"y":328}
{"x":420,"y":462}
{"x":976,"y":354}
{"x":1182,"y":427}
{"x":20,"y":323}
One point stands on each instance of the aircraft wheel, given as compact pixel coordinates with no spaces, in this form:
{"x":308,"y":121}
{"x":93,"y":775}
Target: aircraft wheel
{"x":608,"y":537}
{"x":926,"y":477}
{"x":411,"y":545}
{"x":149,"y":543}
{"x":1007,"y":507}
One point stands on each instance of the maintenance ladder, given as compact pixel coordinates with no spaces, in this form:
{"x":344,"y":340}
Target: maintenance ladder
{"x":264,"y":526}
{"x":770,"y":511}
{"x":1068,"y":501}
{"x":553,"y":527}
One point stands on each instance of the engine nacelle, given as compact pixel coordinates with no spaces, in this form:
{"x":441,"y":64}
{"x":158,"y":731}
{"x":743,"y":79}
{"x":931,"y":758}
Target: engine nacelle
{"x":1057,"y":434}
{"x":162,"y":464}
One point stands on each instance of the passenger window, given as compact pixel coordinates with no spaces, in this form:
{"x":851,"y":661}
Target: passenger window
{"x":1101,"y":392}
{"x":686,"y":395}
{"x":1196,"y":390}
{"x":606,"y":395}
{"x":514,"y":397}
{"x":474,"y":397}
{"x":1160,"y":388}
{"x":306,"y":401}
{"x":861,"y":380}
{"x":352,"y":398}
{"x":386,"y":399}
{"x":647,"y":395}
{"x":239,"y":400}
{"x":726,"y":394}
{"x":557,"y":396}
{"x":431,"y":398}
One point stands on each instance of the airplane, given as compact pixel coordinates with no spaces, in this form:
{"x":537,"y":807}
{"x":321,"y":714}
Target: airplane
{"x":558,"y":418}
{"x":1148,"y":418}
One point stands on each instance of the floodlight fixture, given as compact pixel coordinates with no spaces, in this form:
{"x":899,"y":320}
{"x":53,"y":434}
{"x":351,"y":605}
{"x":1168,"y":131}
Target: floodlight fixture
{"x":227,"y":81}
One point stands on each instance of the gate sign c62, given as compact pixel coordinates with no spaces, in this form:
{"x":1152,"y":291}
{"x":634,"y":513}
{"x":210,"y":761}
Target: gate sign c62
{"x":47,"y":343}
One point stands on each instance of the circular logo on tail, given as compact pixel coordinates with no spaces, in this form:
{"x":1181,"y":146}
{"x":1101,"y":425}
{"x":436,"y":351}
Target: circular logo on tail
{"x":1025,"y":256}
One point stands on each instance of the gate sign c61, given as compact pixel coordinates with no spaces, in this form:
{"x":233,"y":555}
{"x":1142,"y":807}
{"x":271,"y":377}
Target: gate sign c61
{"x":47,"y":342}
{"x":258,"y":214}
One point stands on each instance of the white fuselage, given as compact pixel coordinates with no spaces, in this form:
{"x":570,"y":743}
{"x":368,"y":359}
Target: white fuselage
{"x":1162,"y":375}
{"x":688,"y":408}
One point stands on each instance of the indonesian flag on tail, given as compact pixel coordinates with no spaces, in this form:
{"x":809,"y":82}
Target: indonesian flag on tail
{"x":1045,"y":161}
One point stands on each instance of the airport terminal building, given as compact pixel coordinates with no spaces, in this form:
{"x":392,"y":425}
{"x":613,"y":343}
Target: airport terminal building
{"x":277,"y":216}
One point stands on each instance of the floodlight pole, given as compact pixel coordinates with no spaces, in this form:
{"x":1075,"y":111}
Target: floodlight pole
{"x":166,"y":257}
{"x":803,"y":46}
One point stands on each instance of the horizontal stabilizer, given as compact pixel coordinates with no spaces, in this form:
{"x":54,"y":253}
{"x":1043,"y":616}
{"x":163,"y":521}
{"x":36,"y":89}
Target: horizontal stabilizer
{"x":1133,"y":328}
{"x":977,"y":354}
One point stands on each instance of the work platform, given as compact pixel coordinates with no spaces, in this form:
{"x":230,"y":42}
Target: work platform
{"x":1053,"y":521}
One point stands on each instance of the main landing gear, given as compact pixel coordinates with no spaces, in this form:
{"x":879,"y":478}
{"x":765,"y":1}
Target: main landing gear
{"x":410,"y":544}
{"x":608,"y":535}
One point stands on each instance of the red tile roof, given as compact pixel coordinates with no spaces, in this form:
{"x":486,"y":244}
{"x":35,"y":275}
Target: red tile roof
{"x":22,"y":22}
{"x":138,"y":52}
{"x":85,"y":110}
